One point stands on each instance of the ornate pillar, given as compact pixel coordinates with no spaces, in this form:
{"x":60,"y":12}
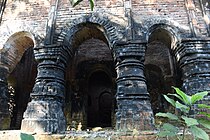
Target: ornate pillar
{"x":133,"y":100}
{"x":193,"y":56}
{"x":45,"y":111}
{"x":4,"y":99}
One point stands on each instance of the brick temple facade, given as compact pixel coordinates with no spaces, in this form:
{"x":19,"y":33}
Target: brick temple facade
{"x":61,"y":66}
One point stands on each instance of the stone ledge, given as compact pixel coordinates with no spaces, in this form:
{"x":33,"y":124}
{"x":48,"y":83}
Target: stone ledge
{"x":81,"y":135}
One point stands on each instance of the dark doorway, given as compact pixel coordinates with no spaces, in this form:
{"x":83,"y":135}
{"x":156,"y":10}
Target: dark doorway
{"x":105,"y":108}
{"x":99,"y":100}
{"x":90,"y":76}
{"x":161,"y":69}
{"x":21,"y":82}
{"x":155,"y":84}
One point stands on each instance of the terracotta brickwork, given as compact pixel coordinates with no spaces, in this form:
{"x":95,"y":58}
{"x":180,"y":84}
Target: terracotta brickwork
{"x":114,"y":62}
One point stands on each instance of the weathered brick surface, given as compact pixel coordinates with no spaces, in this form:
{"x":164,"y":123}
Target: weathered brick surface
{"x":169,"y":9}
{"x":82,"y":135}
{"x":172,"y":12}
{"x":124,"y":25}
{"x":35,"y":13}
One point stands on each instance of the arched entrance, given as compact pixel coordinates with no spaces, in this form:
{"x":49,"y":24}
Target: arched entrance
{"x":22,"y":80}
{"x":100,"y":100}
{"x":161,"y":69}
{"x":105,"y":109}
{"x":23,"y":70}
{"x":89,"y":80}
{"x":155,"y":85}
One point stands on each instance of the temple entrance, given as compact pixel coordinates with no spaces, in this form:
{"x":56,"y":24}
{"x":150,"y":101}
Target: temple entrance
{"x":90,"y":80}
{"x":21,"y":82}
{"x":155,"y":85}
{"x":23,"y":71}
{"x":161,"y":70}
{"x":100,"y":100}
{"x":105,"y":109}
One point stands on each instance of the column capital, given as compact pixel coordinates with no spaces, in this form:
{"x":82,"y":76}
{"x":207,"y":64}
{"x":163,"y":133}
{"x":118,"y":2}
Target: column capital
{"x":193,"y":55}
{"x":124,"y":50}
{"x":54,"y":52}
{"x":49,"y":81}
{"x":193,"y":48}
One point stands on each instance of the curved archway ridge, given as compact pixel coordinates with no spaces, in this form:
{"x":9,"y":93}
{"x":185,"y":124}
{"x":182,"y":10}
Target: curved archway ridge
{"x":16,"y":37}
{"x":112,"y":27}
{"x":15,"y":47}
{"x":173,"y":27}
{"x":165,"y":34}
{"x":8,"y":28}
{"x":161,"y":69}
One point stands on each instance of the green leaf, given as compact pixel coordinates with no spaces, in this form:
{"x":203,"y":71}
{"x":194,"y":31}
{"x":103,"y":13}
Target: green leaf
{"x":203,"y":106}
{"x":182,"y":107}
{"x":169,"y":127}
{"x":205,"y":123}
{"x":199,"y":133}
{"x":198,"y":96}
{"x":75,"y":2}
{"x":166,"y":133}
{"x":176,"y":95}
{"x":171,"y":101}
{"x":167,"y":115}
{"x":91,"y":4}
{"x":184,"y":97}
{"x":190,"y":121}
{"x":24,"y":136}
{"x":204,"y":113}
{"x":168,"y":130}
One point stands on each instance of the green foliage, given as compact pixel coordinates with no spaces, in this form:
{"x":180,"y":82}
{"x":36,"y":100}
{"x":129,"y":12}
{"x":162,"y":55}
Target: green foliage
{"x":199,"y":133}
{"x":183,"y":108}
{"x":24,"y":136}
{"x":203,"y":106}
{"x":189,"y":121}
{"x":182,"y":96}
{"x":171,"y":101}
{"x":205,"y":123}
{"x":198,"y":96}
{"x":76,"y":2}
{"x":168,"y":130}
{"x":184,"y":123}
{"x":167,"y":115}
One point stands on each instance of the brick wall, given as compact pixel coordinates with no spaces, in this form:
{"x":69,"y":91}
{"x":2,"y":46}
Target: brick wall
{"x":38,"y":11}
{"x":171,"y":9}
{"x":32,"y":12}
{"x":200,"y":23}
{"x":66,"y":11}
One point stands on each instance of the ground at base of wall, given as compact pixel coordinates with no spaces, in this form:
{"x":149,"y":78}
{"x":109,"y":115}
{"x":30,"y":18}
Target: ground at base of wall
{"x":82,"y":135}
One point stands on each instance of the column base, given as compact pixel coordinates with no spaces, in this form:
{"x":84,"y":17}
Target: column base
{"x":134,"y":114}
{"x":5,"y":121}
{"x":44,"y":117}
{"x":5,"y":118}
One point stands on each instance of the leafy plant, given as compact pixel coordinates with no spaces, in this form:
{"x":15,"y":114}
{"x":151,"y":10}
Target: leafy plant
{"x":184,"y":122}
{"x":76,"y":2}
{"x":24,"y":136}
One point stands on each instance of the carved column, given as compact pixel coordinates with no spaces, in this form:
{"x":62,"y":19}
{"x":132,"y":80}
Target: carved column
{"x":133,"y":101}
{"x":193,"y":56}
{"x":4,"y":99}
{"x":45,"y":111}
